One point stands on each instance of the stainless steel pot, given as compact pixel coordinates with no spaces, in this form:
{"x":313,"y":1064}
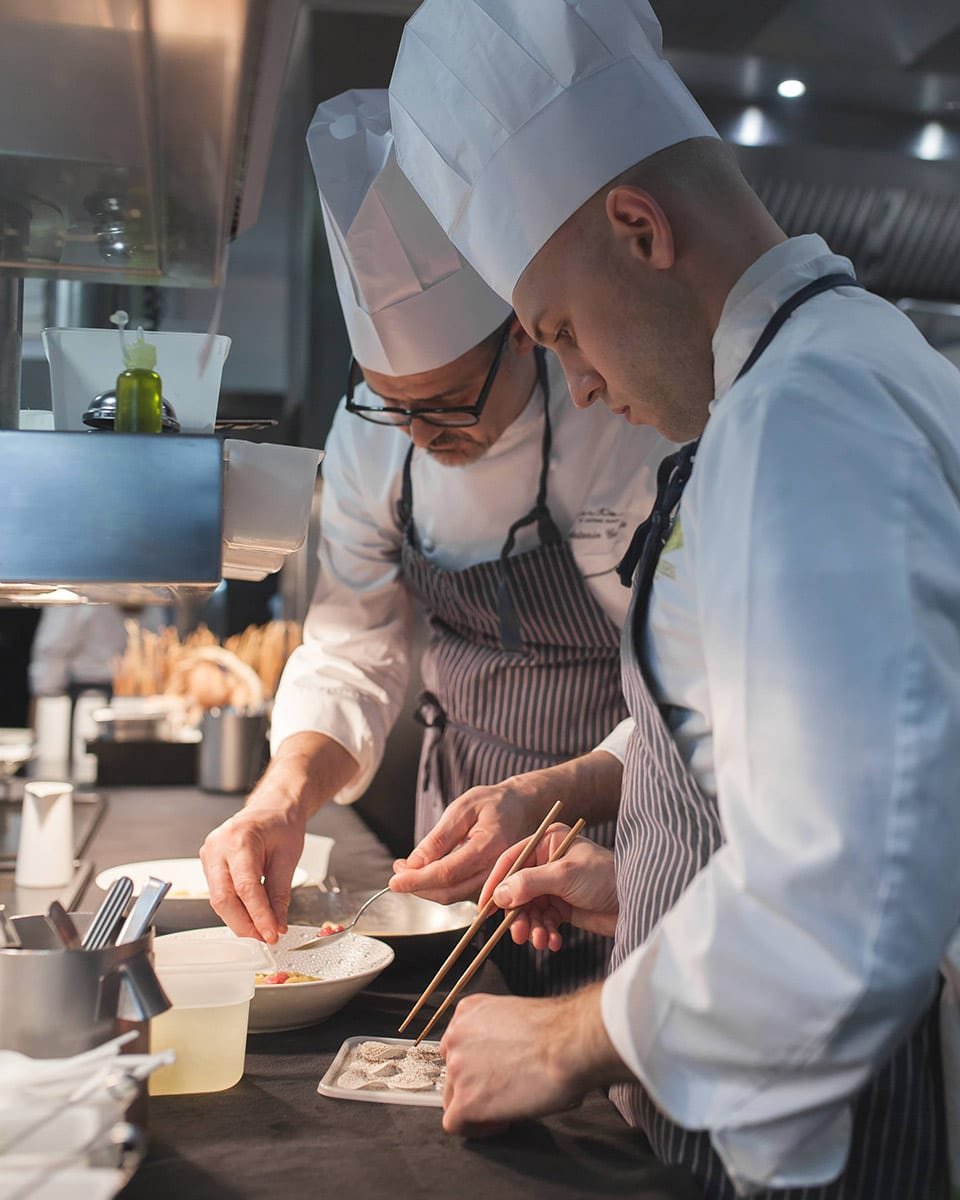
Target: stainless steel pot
{"x":231,"y":753}
{"x":56,"y":1002}
{"x":420,"y":931}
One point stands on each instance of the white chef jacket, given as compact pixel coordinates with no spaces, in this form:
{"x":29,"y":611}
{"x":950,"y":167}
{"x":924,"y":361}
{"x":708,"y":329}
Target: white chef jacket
{"x":805,"y":633}
{"x":349,"y":678}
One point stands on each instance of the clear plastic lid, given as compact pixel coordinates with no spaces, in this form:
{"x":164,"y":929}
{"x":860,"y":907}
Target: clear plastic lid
{"x":209,"y":972}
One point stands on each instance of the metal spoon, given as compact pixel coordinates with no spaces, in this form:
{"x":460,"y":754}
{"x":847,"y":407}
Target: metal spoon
{"x":62,"y":925}
{"x":328,"y":939}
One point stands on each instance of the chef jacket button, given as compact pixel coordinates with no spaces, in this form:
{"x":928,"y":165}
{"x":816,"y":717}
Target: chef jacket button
{"x":428,"y":546}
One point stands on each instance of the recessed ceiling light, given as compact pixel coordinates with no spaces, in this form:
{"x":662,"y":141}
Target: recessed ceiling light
{"x":751,"y":129}
{"x":791,"y":89}
{"x":932,"y":142}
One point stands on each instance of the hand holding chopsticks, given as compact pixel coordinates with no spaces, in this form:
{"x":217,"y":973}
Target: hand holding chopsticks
{"x":500,"y":932}
{"x":486,"y":911}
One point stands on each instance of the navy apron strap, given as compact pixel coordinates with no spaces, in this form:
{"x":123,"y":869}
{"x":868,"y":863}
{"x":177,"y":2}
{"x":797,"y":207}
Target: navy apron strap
{"x":510,"y":635}
{"x":429,"y":713}
{"x":405,"y":503}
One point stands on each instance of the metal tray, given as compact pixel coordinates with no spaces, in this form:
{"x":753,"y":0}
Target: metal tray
{"x":88,"y":809}
{"x":327,"y":1085}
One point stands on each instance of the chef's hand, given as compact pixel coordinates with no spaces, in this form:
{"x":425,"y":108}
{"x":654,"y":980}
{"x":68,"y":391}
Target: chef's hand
{"x":249,"y":860}
{"x":454,"y":859}
{"x":511,"y":1057}
{"x":579,"y":889}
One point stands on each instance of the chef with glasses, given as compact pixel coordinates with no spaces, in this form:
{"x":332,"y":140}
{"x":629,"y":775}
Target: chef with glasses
{"x":458,"y":477}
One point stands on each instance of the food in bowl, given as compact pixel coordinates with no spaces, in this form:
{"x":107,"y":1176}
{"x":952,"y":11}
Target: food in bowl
{"x":274,"y":978}
{"x":329,"y":927}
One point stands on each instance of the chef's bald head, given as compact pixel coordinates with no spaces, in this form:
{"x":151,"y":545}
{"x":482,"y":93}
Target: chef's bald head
{"x":629,"y":289}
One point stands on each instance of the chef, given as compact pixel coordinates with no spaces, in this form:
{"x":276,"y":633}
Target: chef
{"x":789,"y":833}
{"x":76,"y":647}
{"x":457,"y":476}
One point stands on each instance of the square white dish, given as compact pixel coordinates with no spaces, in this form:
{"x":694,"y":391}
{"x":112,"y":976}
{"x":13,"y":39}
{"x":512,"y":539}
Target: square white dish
{"x":328,"y":1085}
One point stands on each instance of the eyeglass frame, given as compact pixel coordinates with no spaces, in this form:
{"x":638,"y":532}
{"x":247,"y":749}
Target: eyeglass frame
{"x":475,"y":410}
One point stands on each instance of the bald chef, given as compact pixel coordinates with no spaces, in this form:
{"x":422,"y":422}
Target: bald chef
{"x":788,"y":847}
{"x":459,"y":476}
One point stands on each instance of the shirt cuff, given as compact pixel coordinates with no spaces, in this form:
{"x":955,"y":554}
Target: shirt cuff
{"x":338,"y":716}
{"x":615,"y":743}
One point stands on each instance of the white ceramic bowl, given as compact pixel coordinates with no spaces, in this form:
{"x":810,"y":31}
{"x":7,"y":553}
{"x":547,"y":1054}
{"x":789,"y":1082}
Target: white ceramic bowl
{"x":345,"y":968}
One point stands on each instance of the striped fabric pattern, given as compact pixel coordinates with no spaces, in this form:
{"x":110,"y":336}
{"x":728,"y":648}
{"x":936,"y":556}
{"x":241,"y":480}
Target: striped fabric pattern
{"x":505,"y":714}
{"x":492,"y":713}
{"x":667,"y":831}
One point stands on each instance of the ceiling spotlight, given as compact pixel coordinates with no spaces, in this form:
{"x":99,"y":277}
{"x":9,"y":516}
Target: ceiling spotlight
{"x":791,"y":89}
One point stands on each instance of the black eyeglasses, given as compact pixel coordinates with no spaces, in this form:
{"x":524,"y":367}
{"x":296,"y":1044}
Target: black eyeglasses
{"x":459,"y":416}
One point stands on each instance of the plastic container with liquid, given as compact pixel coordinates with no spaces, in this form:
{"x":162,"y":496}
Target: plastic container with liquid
{"x":210,"y":985}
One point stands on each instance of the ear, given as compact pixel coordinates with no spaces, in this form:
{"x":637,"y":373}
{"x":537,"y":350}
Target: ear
{"x":637,"y":219}
{"x":520,"y":341}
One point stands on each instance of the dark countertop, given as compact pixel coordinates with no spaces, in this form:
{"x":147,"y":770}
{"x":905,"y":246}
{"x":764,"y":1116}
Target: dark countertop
{"x":274,"y":1134}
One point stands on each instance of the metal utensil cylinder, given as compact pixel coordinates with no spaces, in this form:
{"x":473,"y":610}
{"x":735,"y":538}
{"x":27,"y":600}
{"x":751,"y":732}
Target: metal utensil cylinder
{"x":232,"y":750}
{"x":56,"y":1002}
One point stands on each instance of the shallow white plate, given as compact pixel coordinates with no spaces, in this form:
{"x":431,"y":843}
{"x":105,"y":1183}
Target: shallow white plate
{"x":184,"y":874}
{"x":344,"y":969}
{"x":186,"y":911}
{"x":328,"y":1084}
{"x":193,"y":911}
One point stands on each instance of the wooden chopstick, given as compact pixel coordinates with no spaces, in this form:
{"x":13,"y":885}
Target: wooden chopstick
{"x":501,"y":929}
{"x":488,"y":909}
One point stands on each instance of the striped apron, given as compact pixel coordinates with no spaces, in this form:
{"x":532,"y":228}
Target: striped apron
{"x":521,"y":673}
{"x":667,"y":832}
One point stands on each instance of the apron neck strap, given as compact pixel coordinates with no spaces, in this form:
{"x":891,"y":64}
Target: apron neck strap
{"x":786,"y":310}
{"x":549,"y":533}
{"x":405,"y":504}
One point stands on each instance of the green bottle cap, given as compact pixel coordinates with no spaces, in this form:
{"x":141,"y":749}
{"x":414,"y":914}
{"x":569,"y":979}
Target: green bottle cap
{"x":140,"y":354}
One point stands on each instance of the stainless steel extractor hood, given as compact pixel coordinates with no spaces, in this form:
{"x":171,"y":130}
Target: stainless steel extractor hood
{"x":108,"y":517}
{"x":134,"y":140}
{"x":134,"y":134}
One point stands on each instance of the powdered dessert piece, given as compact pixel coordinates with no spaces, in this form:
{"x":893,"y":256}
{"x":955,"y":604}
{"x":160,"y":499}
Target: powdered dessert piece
{"x":382,"y":1066}
{"x":378,"y":1052}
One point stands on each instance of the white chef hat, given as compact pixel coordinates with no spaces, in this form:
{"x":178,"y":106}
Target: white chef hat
{"x":509,"y":114}
{"x":410,"y":302}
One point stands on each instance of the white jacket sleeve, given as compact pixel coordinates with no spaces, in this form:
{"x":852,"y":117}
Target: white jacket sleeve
{"x":828,"y":586}
{"x":349,"y":677}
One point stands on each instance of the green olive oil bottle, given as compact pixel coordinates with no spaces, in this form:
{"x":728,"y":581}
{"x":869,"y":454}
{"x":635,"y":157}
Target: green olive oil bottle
{"x":139,"y":398}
